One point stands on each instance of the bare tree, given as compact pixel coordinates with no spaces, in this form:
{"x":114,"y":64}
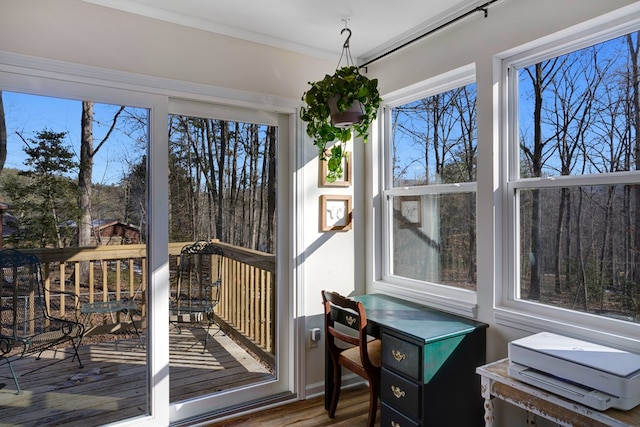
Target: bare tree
{"x":634,"y":47}
{"x":85,"y":173}
{"x":541,"y":77}
{"x":571,"y":116}
{"x":85,"y":177}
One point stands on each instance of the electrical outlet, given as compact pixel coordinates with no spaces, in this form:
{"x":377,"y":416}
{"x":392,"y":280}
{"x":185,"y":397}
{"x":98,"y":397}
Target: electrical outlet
{"x":314,"y":337}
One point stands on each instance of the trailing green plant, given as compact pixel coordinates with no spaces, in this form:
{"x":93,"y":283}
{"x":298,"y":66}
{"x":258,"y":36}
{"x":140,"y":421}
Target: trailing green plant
{"x":348,"y":86}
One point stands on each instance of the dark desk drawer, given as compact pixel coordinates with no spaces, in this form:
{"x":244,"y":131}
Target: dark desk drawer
{"x":402,"y":356}
{"x":393,"y":418}
{"x":401,"y":394}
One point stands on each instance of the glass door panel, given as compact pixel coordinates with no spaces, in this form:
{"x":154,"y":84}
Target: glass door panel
{"x":222,"y":252}
{"x":73,"y":193}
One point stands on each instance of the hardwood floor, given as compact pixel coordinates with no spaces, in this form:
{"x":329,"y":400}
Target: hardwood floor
{"x":352,"y":411}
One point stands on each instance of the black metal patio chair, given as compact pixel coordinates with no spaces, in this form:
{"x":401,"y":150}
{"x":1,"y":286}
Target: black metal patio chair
{"x":31,"y":315}
{"x":197,"y":288}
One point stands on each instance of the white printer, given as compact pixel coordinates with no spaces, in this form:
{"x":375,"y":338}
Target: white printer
{"x":596,"y":376}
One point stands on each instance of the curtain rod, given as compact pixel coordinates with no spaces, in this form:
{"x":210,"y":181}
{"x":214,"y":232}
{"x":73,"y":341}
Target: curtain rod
{"x":482,"y":8}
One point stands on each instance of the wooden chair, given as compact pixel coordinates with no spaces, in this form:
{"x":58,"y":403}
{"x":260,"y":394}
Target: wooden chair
{"x":362,"y":357}
{"x":26,"y":323}
{"x":197,"y":287}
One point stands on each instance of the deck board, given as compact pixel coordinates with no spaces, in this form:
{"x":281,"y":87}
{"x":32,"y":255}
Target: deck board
{"x":112,"y":385}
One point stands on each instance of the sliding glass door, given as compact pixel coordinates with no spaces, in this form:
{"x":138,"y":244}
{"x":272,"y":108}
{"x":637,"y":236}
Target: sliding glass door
{"x":224,"y":219}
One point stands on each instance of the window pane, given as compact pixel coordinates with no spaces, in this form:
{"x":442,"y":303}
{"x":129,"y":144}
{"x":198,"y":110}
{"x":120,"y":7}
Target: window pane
{"x":434,"y":139}
{"x":434,"y":235}
{"x":434,"y":239}
{"x":578,"y":116}
{"x":222,"y":188}
{"x":583,"y":259}
{"x":576,"y":111}
{"x":74,"y":179}
{"x":222,"y":182}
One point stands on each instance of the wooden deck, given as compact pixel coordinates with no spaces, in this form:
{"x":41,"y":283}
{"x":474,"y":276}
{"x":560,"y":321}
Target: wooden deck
{"x":112,"y":385}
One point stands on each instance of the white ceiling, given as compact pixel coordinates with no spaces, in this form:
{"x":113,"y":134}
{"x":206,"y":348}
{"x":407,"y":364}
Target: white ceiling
{"x":307,"y":26}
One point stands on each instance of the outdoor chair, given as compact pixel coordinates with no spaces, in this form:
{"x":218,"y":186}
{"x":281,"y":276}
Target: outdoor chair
{"x":345,"y":323}
{"x":197,"y":287}
{"x":27,"y":307}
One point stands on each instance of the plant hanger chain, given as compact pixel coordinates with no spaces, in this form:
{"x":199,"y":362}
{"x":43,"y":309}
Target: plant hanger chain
{"x":346,"y":51}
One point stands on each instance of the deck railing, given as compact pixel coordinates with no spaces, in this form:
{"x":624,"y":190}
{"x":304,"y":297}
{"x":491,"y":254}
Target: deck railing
{"x":113,"y":273}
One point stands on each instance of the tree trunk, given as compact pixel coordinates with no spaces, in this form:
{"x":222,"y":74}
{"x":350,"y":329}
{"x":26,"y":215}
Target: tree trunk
{"x":635,"y":85}
{"x":221,"y":168}
{"x":84,"y":183}
{"x":271,"y":189}
{"x":84,"y":175}
{"x":3,"y":137}
{"x":536,"y":160}
{"x":558,"y":241}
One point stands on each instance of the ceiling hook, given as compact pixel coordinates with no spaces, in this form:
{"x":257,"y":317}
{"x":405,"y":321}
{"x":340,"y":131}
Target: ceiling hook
{"x":346,"y":42}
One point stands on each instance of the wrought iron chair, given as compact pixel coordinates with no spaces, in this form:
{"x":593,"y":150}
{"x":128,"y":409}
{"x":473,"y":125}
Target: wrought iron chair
{"x":362,"y":357}
{"x":26,"y":323}
{"x":197,"y":287}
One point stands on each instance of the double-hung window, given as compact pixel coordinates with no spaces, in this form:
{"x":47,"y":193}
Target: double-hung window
{"x":430,"y":188}
{"x":572,"y":199}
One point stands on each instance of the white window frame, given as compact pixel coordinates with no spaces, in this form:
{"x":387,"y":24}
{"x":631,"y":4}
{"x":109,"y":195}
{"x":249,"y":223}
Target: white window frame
{"x":283,"y":383}
{"x":510,"y":310}
{"x":38,"y":76}
{"x":71,"y":81}
{"x":449,"y":298}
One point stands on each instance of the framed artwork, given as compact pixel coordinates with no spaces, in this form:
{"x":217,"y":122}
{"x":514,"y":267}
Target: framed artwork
{"x":410,"y":211}
{"x":344,"y":181}
{"x":335,"y":213}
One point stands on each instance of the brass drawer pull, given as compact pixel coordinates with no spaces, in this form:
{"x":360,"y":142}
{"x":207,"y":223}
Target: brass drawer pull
{"x":398,"y":355}
{"x":394,"y":424}
{"x":350,"y":320}
{"x":397,"y":392}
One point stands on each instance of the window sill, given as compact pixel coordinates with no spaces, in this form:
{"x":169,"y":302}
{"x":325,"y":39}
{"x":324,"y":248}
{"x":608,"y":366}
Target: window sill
{"x":607,"y":332}
{"x":462,"y":303}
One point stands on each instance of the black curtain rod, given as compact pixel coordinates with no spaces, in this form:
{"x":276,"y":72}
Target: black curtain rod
{"x":483,"y":8}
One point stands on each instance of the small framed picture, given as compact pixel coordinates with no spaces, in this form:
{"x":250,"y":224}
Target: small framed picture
{"x":323,"y":172}
{"x":410,"y":211}
{"x":335,"y":213}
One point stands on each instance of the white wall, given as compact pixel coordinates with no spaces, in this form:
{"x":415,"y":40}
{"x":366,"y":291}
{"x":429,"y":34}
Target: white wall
{"x":79,"y":32}
{"x":510,"y":24}
{"x":82,"y":33}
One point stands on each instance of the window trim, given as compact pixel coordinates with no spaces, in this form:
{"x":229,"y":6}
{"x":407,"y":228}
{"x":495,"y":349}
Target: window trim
{"x":530,"y":315}
{"x":45,"y":77}
{"x":456,"y":300}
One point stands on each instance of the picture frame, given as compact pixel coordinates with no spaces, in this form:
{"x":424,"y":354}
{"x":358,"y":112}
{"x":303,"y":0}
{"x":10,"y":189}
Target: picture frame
{"x":410,"y":210}
{"x":335,"y":213}
{"x":345,"y":181}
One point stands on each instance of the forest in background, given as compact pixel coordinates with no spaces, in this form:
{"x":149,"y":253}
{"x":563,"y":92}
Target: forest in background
{"x":221,"y":180}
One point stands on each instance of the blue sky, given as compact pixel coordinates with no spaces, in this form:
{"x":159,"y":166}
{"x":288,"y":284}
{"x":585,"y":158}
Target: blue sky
{"x":29,"y":114}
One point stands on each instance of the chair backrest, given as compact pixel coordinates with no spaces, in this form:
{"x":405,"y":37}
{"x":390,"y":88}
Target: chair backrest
{"x":351,"y":314}
{"x":23,"y":310}
{"x":199,"y":272}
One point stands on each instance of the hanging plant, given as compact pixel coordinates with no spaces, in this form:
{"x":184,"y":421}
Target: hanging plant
{"x":338,"y":107}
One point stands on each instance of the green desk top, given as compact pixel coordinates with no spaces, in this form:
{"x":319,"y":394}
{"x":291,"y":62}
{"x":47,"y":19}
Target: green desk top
{"x":422,"y":322}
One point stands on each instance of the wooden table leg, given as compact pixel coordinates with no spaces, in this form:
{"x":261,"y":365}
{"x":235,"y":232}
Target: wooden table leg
{"x":485,"y":388}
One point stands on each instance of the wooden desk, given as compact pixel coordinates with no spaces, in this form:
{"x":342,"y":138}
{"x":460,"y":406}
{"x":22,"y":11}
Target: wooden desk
{"x":428,"y":364}
{"x":496,"y":382}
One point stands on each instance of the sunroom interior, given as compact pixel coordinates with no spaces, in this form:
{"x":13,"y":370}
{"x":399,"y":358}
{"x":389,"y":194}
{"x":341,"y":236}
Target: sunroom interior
{"x":255,"y":65}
